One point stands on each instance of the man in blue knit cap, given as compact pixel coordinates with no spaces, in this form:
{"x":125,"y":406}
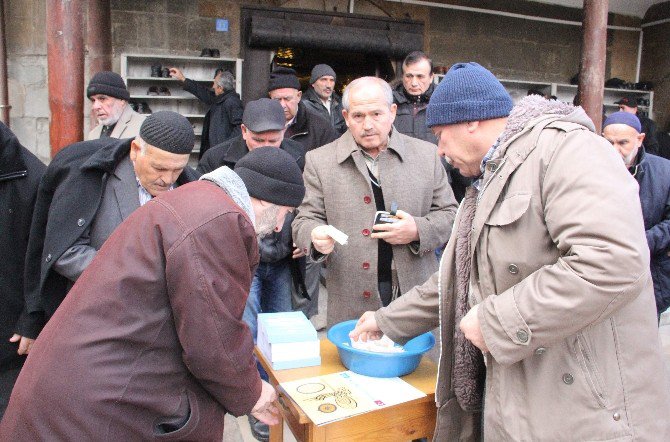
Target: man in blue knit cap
{"x":544,"y":297}
{"x":652,"y":173}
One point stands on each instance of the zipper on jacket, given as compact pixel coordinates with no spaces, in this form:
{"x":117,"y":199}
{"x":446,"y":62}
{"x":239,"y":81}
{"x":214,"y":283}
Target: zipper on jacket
{"x":13,"y":175}
{"x":299,"y":134}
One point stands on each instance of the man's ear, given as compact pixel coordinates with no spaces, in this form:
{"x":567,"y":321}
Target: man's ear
{"x":640,"y":138}
{"x":299,"y":95}
{"x":135,"y":150}
{"x":472,"y":126}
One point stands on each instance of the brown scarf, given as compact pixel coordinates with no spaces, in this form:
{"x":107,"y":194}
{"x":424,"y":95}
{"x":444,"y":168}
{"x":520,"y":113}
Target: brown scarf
{"x":469,"y":369}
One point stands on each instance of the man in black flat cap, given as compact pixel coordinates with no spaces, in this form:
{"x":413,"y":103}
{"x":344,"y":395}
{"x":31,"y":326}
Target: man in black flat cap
{"x":89,"y":188}
{"x":109,"y":103}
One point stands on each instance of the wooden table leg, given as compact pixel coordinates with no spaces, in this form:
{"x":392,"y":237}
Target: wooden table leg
{"x":277,"y":431}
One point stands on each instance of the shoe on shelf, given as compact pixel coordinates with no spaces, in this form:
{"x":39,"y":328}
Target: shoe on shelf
{"x":143,"y":108}
{"x":133,"y":105}
{"x":153,"y":90}
{"x":259,"y":430}
{"x":155,"y":70}
{"x":165,"y":73}
{"x":164,"y":91}
{"x":214,"y":53}
{"x":206,"y":52}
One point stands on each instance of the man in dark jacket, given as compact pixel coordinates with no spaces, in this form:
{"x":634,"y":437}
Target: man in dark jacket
{"x":262,"y":125}
{"x":150,"y":343}
{"x":652,"y":173}
{"x":312,"y":131}
{"x":88,"y":190}
{"x":321,"y":97}
{"x":412,"y":96}
{"x":629,"y":104}
{"x":224,"y":116}
{"x":20,"y":173}
{"x":302,"y":124}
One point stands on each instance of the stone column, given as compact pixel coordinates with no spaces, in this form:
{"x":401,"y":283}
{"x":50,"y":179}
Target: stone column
{"x":98,"y":40}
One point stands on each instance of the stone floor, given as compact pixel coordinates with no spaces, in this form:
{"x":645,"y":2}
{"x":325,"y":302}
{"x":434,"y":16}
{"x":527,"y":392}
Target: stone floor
{"x":237,"y":429}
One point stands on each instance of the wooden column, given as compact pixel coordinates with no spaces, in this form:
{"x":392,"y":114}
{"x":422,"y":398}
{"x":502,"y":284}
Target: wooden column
{"x":594,"y":51}
{"x":65,"y":60}
{"x":4,"y":94}
{"x":98,"y":40}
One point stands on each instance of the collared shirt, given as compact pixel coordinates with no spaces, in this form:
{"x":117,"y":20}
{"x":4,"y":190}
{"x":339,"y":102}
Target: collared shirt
{"x":477,"y":184}
{"x":291,"y":122}
{"x":372,"y":162}
{"x":327,"y":103}
{"x":145,"y":196}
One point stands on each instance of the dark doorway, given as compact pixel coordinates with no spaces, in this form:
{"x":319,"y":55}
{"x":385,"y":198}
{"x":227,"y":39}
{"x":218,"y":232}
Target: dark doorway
{"x":347,"y":65}
{"x":353,"y":45}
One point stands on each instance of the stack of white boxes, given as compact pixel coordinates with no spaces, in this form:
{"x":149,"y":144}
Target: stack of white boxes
{"x":288,"y":340}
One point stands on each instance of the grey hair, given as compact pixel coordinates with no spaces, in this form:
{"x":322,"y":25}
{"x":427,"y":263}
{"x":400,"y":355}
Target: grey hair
{"x":143,"y":144}
{"x":226,"y":81}
{"x":367,"y":82}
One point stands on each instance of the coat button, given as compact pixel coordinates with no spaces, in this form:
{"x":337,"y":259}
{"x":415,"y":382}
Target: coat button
{"x":80,"y":222}
{"x":365,"y":232}
{"x":540,"y":351}
{"x":616,"y":416}
{"x":304,"y":250}
{"x":492,"y":167}
{"x":367,"y":199}
{"x":522,"y":335}
{"x":48,"y":258}
{"x":367,"y":294}
{"x":366,"y":265}
{"x":568,"y":379}
{"x":513,"y":269}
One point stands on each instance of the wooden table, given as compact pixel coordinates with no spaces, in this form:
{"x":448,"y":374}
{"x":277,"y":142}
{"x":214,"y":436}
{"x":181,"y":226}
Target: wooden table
{"x":402,"y":422}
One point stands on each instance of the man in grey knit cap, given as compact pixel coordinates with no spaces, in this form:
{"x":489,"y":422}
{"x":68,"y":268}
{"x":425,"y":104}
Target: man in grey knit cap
{"x":321,"y":97}
{"x":88,"y":190}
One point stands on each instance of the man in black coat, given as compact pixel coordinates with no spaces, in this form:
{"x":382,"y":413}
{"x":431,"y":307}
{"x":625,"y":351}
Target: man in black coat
{"x":321,"y":97}
{"x":312,"y":131}
{"x":412,"y":96}
{"x":20,"y":173}
{"x":224,"y":116}
{"x":302,"y":125}
{"x":259,"y":128}
{"x":90,"y":188}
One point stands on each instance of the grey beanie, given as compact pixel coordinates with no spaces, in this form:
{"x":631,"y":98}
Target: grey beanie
{"x":321,"y":70}
{"x":468,"y":92}
{"x":168,"y":131}
{"x":108,"y":83}
{"x":282,"y":77}
{"x":271,"y":174}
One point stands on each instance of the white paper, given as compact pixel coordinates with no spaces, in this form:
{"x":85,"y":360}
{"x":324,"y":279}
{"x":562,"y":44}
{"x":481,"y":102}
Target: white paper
{"x":337,"y":235}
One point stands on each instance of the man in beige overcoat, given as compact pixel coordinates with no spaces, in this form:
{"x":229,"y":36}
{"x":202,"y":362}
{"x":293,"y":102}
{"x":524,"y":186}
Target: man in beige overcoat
{"x":109,"y":104}
{"x":543,"y":297}
{"x":372,"y":167}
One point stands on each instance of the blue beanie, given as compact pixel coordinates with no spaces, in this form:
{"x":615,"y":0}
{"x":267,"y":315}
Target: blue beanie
{"x":468,"y":92}
{"x":624,"y":118}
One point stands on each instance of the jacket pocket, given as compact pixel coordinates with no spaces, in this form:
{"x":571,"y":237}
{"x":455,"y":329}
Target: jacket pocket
{"x":510,"y":209}
{"x":591,"y":371}
{"x":180,"y":426}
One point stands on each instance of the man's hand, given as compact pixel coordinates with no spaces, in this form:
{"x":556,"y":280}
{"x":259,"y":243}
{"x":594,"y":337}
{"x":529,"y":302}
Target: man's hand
{"x":265,"y":409}
{"x":176,"y":73}
{"x":323,"y":243}
{"x":366,"y":328}
{"x":297,"y":252}
{"x":403,"y":231}
{"x":24,"y":343}
{"x":472,"y":330}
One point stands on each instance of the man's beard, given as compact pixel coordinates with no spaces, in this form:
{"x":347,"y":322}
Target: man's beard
{"x":113,"y":118}
{"x":267,"y":222}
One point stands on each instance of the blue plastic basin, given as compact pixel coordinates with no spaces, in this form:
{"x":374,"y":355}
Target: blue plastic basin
{"x":380,"y":365}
